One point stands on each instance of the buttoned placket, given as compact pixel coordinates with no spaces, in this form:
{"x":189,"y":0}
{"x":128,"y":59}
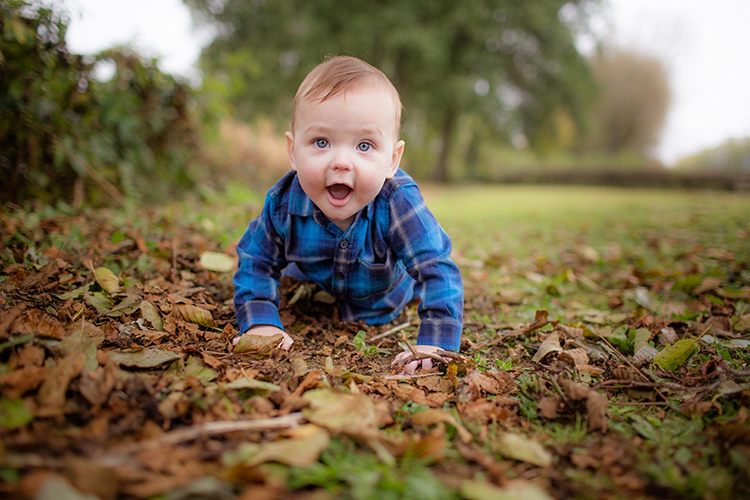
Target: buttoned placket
{"x":341,"y":263}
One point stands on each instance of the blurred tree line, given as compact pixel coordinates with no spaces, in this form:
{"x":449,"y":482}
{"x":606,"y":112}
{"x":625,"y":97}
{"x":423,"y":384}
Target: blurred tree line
{"x":489,"y":70}
{"x":484,"y":83}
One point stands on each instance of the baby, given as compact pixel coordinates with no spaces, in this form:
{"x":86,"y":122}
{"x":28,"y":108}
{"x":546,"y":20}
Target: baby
{"x":347,"y":218}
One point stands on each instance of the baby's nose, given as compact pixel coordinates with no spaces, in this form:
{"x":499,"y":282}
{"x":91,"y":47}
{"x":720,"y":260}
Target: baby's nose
{"x":341,"y":161}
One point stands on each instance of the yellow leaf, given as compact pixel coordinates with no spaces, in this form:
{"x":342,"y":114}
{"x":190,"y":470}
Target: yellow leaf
{"x":195,"y":315}
{"x":257,"y":346}
{"x":219,"y":262}
{"x":107,"y":279}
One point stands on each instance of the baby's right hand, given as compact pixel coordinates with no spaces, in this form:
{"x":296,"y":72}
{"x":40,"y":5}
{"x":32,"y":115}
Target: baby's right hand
{"x":269,"y":331}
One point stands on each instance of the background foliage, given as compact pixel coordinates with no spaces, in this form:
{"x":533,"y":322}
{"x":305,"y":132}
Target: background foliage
{"x":64,"y":134}
{"x":495,"y":69}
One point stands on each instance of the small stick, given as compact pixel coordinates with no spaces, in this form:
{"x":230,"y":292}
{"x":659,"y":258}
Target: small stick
{"x":391,"y":331}
{"x":212,"y":429}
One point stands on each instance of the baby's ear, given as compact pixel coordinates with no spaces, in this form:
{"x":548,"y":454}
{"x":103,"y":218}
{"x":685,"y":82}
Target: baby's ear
{"x":290,"y":149}
{"x":398,"y":152}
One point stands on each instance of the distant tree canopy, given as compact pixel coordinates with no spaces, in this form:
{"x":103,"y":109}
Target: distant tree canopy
{"x":635,"y":96}
{"x":512,"y":63}
{"x":732,"y":157}
{"x":64,"y":135}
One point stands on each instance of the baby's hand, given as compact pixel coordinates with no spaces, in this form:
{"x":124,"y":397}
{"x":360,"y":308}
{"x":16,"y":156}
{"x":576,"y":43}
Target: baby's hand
{"x":426,"y":363}
{"x":269,"y":331}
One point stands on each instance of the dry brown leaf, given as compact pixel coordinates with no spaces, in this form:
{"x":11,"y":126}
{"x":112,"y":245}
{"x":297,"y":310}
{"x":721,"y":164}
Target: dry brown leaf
{"x":17,"y":383}
{"x":434,"y":416}
{"x":96,"y":385}
{"x":38,"y":323}
{"x":196,"y":315}
{"x":7,"y":318}
{"x":574,"y":357}
{"x":52,"y":393}
{"x":573,"y":390}
{"x":257,"y":346}
{"x":547,"y":407}
{"x":549,"y":345}
{"x":596,"y":411}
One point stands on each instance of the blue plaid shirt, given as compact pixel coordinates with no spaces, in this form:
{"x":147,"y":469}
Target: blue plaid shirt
{"x":393,"y":250}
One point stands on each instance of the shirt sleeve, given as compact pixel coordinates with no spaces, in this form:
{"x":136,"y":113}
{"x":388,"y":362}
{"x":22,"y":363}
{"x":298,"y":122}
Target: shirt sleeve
{"x":261,"y":259}
{"x":416,"y":236}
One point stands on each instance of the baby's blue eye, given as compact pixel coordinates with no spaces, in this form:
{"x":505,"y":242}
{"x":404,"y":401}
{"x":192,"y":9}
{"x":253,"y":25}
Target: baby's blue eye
{"x":321,"y":143}
{"x":364,"y":146}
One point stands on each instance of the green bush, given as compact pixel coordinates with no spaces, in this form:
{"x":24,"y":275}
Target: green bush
{"x":64,"y":136}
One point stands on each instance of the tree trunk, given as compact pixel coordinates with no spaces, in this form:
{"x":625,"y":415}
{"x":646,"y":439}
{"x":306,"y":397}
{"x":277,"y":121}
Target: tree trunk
{"x":441,"y":168}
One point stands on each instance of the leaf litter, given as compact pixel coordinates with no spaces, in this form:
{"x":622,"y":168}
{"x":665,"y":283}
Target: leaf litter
{"x":119,"y":378}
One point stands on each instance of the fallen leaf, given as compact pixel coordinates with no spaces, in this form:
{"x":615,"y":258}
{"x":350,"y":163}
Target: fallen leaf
{"x":219,"y":262}
{"x":78,"y":340}
{"x":147,"y":358}
{"x":707,"y":285}
{"x":301,"y":449}
{"x":352,"y":414}
{"x":434,"y":416}
{"x":257,"y":346}
{"x":98,"y":301}
{"x":22,"y":380}
{"x":642,"y":336}
{"x":38,"y":323}
{"x":672,"y":356}
{"x":246,"y":383}
{"x":196,"y":315}
{"x":14,"y":413}
{"x":107,"y":279}
{"x":547,"y":407}
{"x":128,"y":305}
{"x":574,"y":357}
{"x":151,"y":313}
{"x":551,"y":344}
{"x":517,"y":489}
{"x":596,"y":411}
{"x":52,"y":392}
{"x":518,"y":447}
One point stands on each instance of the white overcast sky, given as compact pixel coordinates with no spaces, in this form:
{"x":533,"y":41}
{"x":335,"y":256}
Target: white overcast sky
{"x":704,"y":43}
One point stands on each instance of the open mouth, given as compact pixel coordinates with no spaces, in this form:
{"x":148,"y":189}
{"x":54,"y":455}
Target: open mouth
{"x":339,"y":192}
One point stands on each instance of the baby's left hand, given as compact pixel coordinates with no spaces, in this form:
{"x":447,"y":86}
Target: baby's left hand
{"x":426,"y":363}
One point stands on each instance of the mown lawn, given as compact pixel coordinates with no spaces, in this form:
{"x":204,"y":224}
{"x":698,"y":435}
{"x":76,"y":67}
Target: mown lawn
{"x":606,"y":356}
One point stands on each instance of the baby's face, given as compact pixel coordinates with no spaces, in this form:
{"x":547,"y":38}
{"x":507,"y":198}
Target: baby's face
{"x":343,"y":149}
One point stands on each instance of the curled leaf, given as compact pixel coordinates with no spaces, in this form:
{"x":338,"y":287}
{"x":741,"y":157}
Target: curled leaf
{"x":257,"y":346}
{"x":151,"y":313}
{"x":551,"y":344}
{"x":107,"y":279}
{"x":196,"y":315}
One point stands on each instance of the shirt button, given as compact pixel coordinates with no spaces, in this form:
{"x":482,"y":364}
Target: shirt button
{"x":339,"y":276}
{"x":344,"y":243}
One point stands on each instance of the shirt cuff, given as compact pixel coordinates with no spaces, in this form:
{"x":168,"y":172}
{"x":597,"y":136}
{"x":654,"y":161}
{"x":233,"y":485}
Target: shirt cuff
{"x":442,"y":333}
{"x":257,"y":312}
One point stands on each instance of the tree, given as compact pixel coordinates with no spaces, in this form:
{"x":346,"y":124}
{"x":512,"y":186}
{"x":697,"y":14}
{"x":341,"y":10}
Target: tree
{"x":513,"y":63}
{"x":634,"y":100}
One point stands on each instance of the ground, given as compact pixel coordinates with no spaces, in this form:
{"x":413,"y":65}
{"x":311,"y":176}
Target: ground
{"x":605,"y":355}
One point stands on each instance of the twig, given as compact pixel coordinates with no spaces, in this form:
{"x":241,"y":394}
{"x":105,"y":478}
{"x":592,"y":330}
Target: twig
{"x":656,"y":389}
{"x":391,"y":331}
{"x":212,"y":429}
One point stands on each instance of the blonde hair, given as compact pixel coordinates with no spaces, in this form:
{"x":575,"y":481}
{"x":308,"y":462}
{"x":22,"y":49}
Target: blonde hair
{"x":341,"y":74}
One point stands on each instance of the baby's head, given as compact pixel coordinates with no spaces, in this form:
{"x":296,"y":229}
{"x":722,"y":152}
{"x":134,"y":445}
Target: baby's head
{"x":344,"y":140}
{"x":341,"y":74}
